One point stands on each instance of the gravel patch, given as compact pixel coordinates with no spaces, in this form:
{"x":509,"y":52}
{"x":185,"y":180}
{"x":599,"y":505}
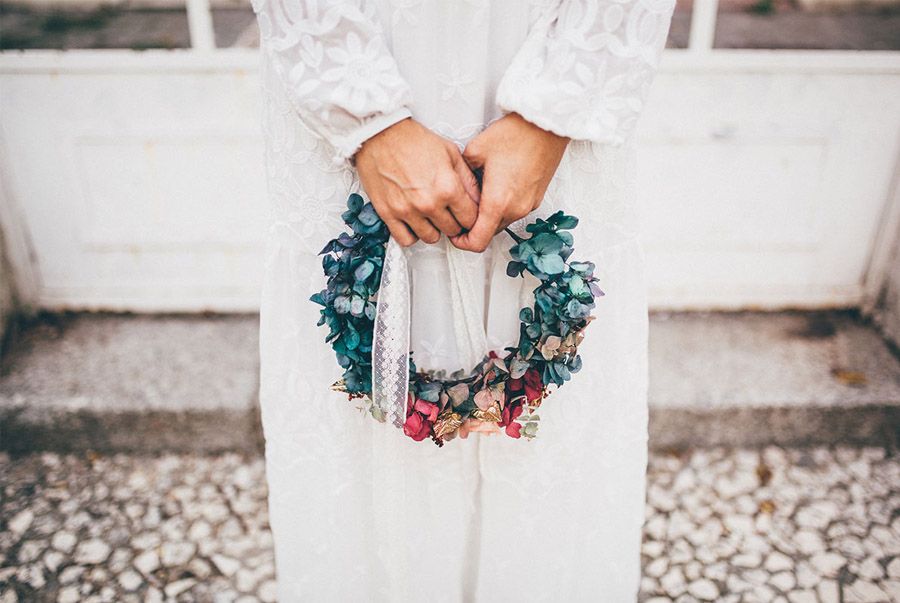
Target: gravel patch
{"x":789,"y":525}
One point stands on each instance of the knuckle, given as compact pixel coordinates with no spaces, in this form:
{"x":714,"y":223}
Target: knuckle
{"x":428,"y":205}
{"x":446,"y":187}
{"x":472,"y":150}
{"x":402,"y":213}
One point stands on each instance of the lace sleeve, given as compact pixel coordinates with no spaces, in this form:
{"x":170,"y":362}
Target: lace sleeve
{"x":337,"y":69}
{"x":586,"y":66}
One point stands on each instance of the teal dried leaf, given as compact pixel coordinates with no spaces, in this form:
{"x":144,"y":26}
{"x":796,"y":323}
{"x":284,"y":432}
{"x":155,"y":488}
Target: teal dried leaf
{"x":357,"y":306}
{"x":514,"y":269}
{"x":546,"y":243}
{"x":342,"y":304}
{"x":368,"y":215}
{"x":430,"y":392}
{"x":518,"y":367}
{"x":563,"y":221}
{"x":583,"y":268}
{"x":355,"y":202}
{"x":577,"y":286}
{"x":364,"y":271}
{"x":547,"y":264}
{"x":575,"y":364}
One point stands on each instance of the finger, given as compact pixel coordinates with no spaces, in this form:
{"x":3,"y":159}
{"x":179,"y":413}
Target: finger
{"x":467,"y":177}
{"x":401,"y":232}
{"x":423,"y":229}
{"x":464,"y":207}
{"x":472,"y":154}
{"x":484,"y":229}
{"x":446,"y":222}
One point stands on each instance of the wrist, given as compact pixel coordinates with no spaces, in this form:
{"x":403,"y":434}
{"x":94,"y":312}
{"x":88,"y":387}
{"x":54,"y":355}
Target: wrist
{"x":376,"y":128}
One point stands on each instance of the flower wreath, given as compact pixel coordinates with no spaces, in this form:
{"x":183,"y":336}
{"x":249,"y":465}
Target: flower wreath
{"x":500,"y":393}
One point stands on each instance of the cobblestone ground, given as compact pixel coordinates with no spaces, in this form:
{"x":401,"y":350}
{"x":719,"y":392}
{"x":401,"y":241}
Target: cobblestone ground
{"x":790,"y":525}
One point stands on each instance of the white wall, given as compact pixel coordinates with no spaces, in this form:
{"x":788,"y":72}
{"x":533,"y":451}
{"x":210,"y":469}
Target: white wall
{"x":139,"y":176}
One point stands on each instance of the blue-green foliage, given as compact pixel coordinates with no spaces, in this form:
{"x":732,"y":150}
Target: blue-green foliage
{"x":564,"y":299}
{"x":353,"y":263}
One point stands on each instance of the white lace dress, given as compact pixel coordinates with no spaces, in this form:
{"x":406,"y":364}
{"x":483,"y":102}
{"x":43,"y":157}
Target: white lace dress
{"x":359,"y":511}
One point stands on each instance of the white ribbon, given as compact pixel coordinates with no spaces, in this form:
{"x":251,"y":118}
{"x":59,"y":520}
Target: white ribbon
{"x":390,"y":338}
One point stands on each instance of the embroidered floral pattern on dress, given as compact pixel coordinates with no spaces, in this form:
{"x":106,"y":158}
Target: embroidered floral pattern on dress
{"x":586,"y":67}
{"x":332,"y":58}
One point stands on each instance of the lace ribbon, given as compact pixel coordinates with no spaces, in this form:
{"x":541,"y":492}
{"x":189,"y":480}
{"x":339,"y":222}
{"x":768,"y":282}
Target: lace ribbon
{"x":390,"y":339}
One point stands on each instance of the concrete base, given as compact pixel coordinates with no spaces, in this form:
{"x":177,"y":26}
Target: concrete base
{"x":186,"y":383}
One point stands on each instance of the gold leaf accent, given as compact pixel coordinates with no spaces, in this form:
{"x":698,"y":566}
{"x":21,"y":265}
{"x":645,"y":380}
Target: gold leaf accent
{"x":339,"y":386}
{"x":492,"y":414}
{"x":446,"y":424}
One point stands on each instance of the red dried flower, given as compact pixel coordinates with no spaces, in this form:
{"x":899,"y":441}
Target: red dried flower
{"x":420,"y":418}
{"x":529,"y":385}
{"x":508,"y":419}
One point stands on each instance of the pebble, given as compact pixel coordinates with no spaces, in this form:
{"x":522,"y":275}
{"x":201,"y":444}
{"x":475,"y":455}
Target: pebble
{"x":92,"y":552}
{"x":802,"y":596}
{"x":268,"y":591}
{"x":147,"y":562}
{"x":703,"y":589}
{"x":783,"y":581}
{"x":179,"y":586}
{"x":69,"y":594}
{"x":828,"y":563}
{"x":829,"y":591}
{"x":863,"y":591}
{"x":20,"y":522}
{"x":673,"y":582}
{"x":778,"y":561}
{"x":71,"y":574}
{"x":226,"y":565}
{"x":130,"y":580}
{"x":53,"y":560}
{"x":64,"y":541}
{"x":176,"y":554}
{"x":893,"y":568}
{"x":749,"y":560}
{"x":870,"y":569}
{"x":809,"y":542}
{"x":657,"y":567}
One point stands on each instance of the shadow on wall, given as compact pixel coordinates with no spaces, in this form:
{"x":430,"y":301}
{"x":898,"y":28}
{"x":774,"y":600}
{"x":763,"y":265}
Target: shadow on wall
{"x":7,"y":295}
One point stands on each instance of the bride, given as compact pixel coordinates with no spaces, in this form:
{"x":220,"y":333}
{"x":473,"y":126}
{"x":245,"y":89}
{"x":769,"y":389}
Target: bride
{"x":404,"y":102}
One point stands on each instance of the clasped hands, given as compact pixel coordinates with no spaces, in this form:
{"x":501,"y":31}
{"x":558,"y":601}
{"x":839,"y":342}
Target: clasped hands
{"x":421,"y":185}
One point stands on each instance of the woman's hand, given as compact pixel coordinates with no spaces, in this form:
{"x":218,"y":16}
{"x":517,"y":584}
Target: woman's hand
{"x":418,"y":183}
{"x":518,"y":160}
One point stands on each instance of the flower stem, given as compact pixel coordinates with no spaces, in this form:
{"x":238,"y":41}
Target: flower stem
{"x":514,"y":236}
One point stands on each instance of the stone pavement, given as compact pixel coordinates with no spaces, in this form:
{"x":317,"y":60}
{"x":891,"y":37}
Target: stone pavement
{"x":793,"y":525}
